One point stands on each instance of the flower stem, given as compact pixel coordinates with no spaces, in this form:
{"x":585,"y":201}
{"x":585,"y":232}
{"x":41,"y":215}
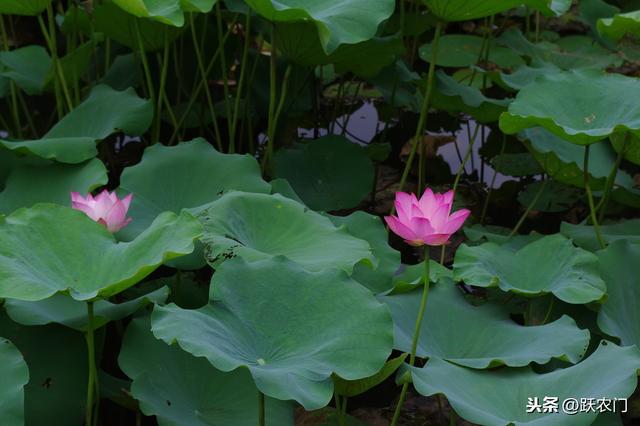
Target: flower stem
{"x":602,"y":205}
{"x":92,"y":385}
{"x":261,"y":414}
{"x":416,"y":333}
{"x":533,"y":202}
{"x":422,"y":120}
{"x":592,"y":208}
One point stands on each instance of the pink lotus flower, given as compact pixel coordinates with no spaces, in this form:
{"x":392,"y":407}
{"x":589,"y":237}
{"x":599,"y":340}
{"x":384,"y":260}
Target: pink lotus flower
{"x":426,"y":221}
{"x":104,"y":208}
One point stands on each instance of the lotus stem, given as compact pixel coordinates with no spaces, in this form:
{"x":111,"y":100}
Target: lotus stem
{"x":602,"y":205}
{"x":243,"y":71}
{"x":147,"y":74}
{"x":592,"y":209}
{"x":12,"y":86}
{"x":203,"y":84}
{"x":92,"y":384}
{"x":223,"y":66}
{"x":533,"y":202}
{"x":343,"y":411}
{"x":424,"y":111}
{"x":163,"y":80}
{"x":416,"y":334}
{"x":261,"y":410}
{"x":485,"y":206}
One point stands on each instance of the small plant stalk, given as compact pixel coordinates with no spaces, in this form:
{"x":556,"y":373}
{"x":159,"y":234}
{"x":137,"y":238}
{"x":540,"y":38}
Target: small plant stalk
{"x":223,"y":66}
{"x":416,"y":334}
{"x":92,"y":384}
{"x":602,"y":205}
{"x":147,"y":75}
{"x":243,"y":68}
{"x":424,"y":111}
{"x":592,"y":208}
{"x":533,"y":202}
{"x":261,"y":411}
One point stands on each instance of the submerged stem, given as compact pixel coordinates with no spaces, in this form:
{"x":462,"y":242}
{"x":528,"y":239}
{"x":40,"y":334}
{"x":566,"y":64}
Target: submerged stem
{"x":533,"y":202}
{"x":416,"y":333}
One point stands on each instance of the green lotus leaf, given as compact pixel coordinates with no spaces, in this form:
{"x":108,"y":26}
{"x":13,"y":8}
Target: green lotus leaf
{"x":62,"y":309}
{"x":620,"y":24}
{"x":371,"y":229}
{"x":259,"y":226}
{"x":155,"y":191}
{"x":500,"y":397}
{"x":300,"y":328}
{"x":31,"y":182}
{"x":412,"y":276}
{"x":318,"y":170}
{"x":453,"y":96}
{"x":464,"y":10}
{"x":500,"y":235}
{"x":49,"y":248}
{"x":337,"y":21}
{"x":104,"y":112}
{"x":555,"y":197}
{"x":462,"y":50}
{"x":566,"y":105}
{"x":548,"y":265}
{"x":585,"y":237}
{"x":23,"y":7}
{"x":180,"y":389}
{"x":120,"y":26}
{"x":591,"y":11}
{"x":28,"y":67}
{"x":631,"y":147}
{"x":569,"y":53}
{"x":479,"y":336}
{"x":193,"y":163}
{"x":525,"y":75}
{"x":15,"y":375}
{"x":57,"y":360}
{"x":350,"y":388}
{"x":75,"y":64}
{"x":164,"y":11}
{"x":300,"y":43}
{"x":619,"y":315}
{"x":71,"y":150}
{"x":516,"y":164}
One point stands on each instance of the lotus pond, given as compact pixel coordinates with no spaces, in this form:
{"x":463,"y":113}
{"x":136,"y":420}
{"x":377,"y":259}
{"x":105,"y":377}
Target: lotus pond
{"x":319,"y":212}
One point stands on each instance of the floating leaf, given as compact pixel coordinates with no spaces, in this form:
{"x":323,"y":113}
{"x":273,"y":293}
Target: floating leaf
{"x":499,"y":235}
{"x":623,"y":23}
{"x":57,"y":361}
{"x":619,"y":316}
{"x":337,"y":21}
{"x":48,"y":249}
{"x":462,"y":50}
{"x":61,"y":309}
{"x":479,"y":336}
{"x":516,"y":164}
{"x":548,"y":265}
{"x":180,"y":389}
{"x":259,"y":226}
{"x":566,"y":105}
{"x":330,"y":173}
{"x":43,"y":181}
{"x":15,"y":375}
{"x":585,"y":237}
{"x":300,"y":328}
{"x":500,"y":397}
{"x":371,"y":229}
